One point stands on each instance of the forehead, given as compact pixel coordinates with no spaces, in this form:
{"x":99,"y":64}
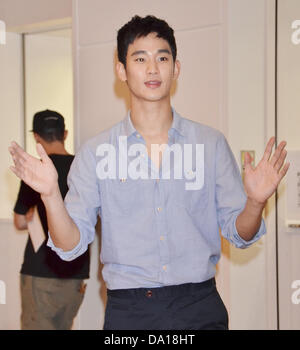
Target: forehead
{"x":148,"y":43}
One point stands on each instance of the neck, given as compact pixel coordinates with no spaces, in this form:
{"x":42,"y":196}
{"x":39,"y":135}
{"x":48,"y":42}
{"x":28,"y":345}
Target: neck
{"x":55,"y":147}
{"x":151,"y":118}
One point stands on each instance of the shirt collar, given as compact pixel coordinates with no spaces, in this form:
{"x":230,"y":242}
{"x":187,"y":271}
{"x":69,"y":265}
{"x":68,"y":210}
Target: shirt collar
{"x":177,"y":124}
{"x":128,"y":129}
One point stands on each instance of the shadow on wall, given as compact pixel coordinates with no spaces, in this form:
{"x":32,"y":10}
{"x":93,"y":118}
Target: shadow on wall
{"x":121,"y":90}
{"x":238,"y":256}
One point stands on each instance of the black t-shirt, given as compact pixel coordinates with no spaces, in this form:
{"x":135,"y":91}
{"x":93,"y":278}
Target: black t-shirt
{"x":45,"y":262}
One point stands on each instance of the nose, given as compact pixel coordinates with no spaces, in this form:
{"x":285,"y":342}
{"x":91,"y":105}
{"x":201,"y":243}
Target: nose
{"x":152,"y":67}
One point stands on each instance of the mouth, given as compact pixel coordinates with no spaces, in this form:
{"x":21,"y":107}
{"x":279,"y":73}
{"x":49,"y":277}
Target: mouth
{"x":153,"y":84}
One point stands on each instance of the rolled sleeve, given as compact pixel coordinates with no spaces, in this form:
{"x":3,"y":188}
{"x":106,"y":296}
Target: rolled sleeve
{"x":230,"y":196}
{"x":70,"y":254}
{"x":239,"y":242}
{"x":82,"y":201}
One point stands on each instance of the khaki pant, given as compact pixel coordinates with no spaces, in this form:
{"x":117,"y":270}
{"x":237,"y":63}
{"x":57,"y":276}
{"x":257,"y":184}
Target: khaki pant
{"x":50,"y":303}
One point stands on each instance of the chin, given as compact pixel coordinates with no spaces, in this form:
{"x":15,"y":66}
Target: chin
{"x":151,"y":97}
{"x":155,"y":97}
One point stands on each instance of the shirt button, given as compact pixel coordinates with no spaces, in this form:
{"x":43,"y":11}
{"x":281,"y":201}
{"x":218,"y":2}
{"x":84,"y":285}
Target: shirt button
{"x":138,"y":136}
{"x":165,"y":268}
{"x":159,"y":209}
{"x":161,"y":238}
{"x":149,"y":294}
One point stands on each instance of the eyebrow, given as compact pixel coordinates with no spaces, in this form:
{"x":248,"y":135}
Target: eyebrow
{"x":143,"y":52}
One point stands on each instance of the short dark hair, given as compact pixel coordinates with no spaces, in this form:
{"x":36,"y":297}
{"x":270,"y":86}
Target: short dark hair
{"x":52,"y":135}
{"x":49,"y":125}
{"x":139,"y":27}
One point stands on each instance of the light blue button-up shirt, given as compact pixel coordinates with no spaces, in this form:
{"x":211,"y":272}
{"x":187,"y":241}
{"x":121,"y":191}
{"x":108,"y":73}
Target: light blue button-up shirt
{"x":155,"y":232}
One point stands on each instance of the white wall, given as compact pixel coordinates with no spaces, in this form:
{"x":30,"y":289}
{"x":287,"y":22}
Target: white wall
{"x":11,"y":116}
{"x":246,"y":125}
{"x":12,"y":243}
{"x":18,"y":14}
{"x":49,"y":80}
{"x":288,"y":129}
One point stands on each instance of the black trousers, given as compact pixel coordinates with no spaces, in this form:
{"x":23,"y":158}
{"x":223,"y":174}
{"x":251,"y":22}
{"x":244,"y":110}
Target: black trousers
{"x":190,"y":306}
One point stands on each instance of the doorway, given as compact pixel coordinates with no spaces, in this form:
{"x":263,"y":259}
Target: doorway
{"x":48,"y":80}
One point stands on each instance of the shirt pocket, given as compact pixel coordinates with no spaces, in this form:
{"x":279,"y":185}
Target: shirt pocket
{"x":194,"y":201}
{"x":197,"y":200}
{"x":125,"y":197}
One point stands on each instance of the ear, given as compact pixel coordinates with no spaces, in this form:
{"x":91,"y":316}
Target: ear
{"x":177,"y":67}
{"x":65,"y":134}
{"x":121,"y":71}
{"x":36,"y":137}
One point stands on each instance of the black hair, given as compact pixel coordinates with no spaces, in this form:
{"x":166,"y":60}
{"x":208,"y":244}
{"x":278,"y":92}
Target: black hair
{"x":139,"y":27}
{"x":51,"y":135}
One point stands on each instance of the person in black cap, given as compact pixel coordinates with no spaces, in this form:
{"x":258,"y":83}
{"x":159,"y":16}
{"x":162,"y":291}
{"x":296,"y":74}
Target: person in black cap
{"x":52,"y":290}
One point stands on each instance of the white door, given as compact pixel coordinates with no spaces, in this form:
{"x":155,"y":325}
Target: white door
{"x":288,"y":126}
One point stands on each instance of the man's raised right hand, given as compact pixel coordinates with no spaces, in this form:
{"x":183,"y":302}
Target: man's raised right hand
{"x":39,"y":174}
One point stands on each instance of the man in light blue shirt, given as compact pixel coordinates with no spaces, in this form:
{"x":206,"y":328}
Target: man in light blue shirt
{"x":163,"y":186}
{"x":154,"y":231}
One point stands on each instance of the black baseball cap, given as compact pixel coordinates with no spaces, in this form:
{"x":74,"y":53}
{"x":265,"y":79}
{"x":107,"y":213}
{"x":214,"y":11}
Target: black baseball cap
{"x":45,"y":122}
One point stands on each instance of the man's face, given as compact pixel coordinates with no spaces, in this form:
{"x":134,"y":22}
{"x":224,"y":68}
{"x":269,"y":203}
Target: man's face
{"x":150,"y":69}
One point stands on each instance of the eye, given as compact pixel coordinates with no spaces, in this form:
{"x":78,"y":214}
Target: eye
{"x":140,"y":59}
{"x":163,"y":58}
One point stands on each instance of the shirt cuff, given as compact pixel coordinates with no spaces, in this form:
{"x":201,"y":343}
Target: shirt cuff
{"x":241,"y":243}
{"x":66,"y":255}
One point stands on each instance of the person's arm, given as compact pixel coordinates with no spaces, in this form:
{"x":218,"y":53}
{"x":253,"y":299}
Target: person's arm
{"x":20,"y":221}
{"x":63,"y":231}
{"x":41,"y":175}
{"x":260,"y":183}
{"x":249,"y":220}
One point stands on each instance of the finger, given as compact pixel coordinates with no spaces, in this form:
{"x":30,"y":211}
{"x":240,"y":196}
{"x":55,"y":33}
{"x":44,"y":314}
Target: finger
{"x":19,"y":167}
{"x":41,"y":152}
{"x":19,"y":162}
{"x":23,"y":160}
{"x":16,"y":172}
{"x":268,"y":150}
{"x":284,"y":170}
{"x":280,"y":160}
{"x":16,"y":163}
{"x":14,"y":154}
{"x":11,"y":150}
{"x":19,"y":152}
{"x":277,"y":153}
{"x":247,"y":161}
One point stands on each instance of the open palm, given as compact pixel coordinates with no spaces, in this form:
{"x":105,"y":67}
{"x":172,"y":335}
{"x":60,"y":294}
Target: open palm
{"x":261,"y":182}
{"x":39,"y":174}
